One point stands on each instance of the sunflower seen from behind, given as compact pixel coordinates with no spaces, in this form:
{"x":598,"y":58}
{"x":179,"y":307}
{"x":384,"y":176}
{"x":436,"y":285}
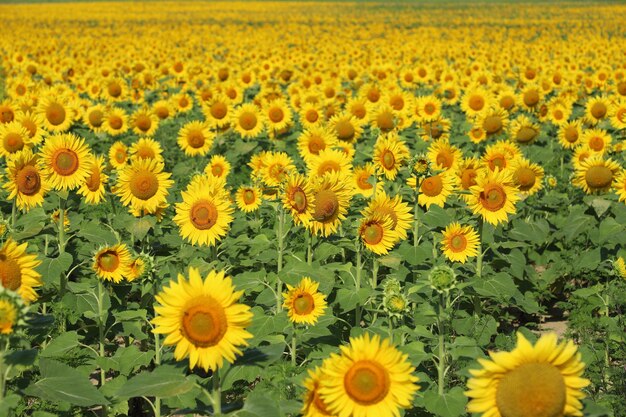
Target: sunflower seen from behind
{"x":540,"y":380}
{"x":304,"y":303}
{"x":17,"y":270}
{"x":203,"y":319}
{"x":370,"y":378}
{"x":65,"y":160}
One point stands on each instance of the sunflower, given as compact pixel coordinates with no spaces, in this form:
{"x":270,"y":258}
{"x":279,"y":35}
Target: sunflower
{"x":64,"y":159}
{"x":345,"y":127}
{"x":598,"y":140}
{"x":523,"y":130}
{"x":570,"y":134}
{"x":501,"y":388}
{"x":310,"y":116}
{"x":558,"y":113}
{"x":136,"y":268}
{"x":203,"y":319}
{"x":115,"y":90}
{"x":427,"y":109}
{"x":163,"y":109}
{"x":384,"y":118}
{"x":11,"y":310}
{"x":507,"y":99}
{"x":581,"y":154}
{"x":465,"y":175}
{"x":459,"y":242}
{"x":25,"y":181}
{"x":143,"y":185}
{"x":359,"y":108}
{"x":531,"y":96}
{"x":364,"y":176}
{"x":434,"y":189}
{"x":314,"y":140}
{"x":204,"y":216}
{"x":438,"y":130}
{"x":499,"y":155}
{"x":13,"y":138}
{"x":475,"y":100}
{"x":398,"y":211}
{"x":313,"y":406}
{"x":620,"y":186}
{"x":112,"y":263}
{"x":56,"y":219}
{"x":118,"y":155}
{"x":493,"y":120}
{"x":247,"y":120}
{"x":182,"y":102}
{"x":115,"y":121}
{"x":596,"y":109}
{"x":477,"y":134}
{"x":17,"y":270}
{"x":33,"y":123}
{"x":370,"y":377}
{"x":331,"y":199}
{"x":329,"y":160}
{"x":94,"y":117}
{"x":93,"y":188}
{"x":146,"y":148}
{"x":617,"y":114}
{"x":389,"y":154}
{"x":277,"y":166}
{"x":57,"y":114}
{"x":298,"y":198}
{"x":248,"y":198}
{"x":195,"y":138}
{"x":217,"y":111}
{"x":444,"y":156}
{"x":494,"y":196}
{"x":596,"y":175}
{"x":303,"y":302}
{"x":218,"y":167}
{"x":376,"y":232}
{"x":527,"y":176}
{"x":8,"y":109}
{"x":277,"y":115}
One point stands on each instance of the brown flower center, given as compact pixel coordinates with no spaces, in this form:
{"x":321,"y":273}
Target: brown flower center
{"x":203,"y":215}
{"x":219,"y":110}
{"x":598,"y":110}
{"x":303,"y":304}
{"x":65,"y":162}
{"x":372,"y":233}
{"x":195,"y":139}
{"x":13,"y":142}
{"x":492,"y":124}
{"x":525,"y":134}
{"x":55,"y":113}
{"x":143,"y":122}
{"x":345,"y":130}
{"x":96,"y":117}
{"x":493,"y":197}
{"x":458,"y":243}
{"x":367,"y":382}
{"x":525,"y":178}
{"x":205,"y":323}
{"x":109,"y":260}
{"x":28,"y":180}
{"x":144,"y":184}
{"x":432,"y":186}
{"x":476,"y":103}
{"x":388,"y":160}
{"x":326,"y":206}
{"x":247,"y":120}
{"x":276,"y":114}
{"x":599,"y":177}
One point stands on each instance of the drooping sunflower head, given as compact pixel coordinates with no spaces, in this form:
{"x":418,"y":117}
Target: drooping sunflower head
{"x":370,"y":377}
{"x":65,"y":161}
{"x":278,"y":166}
{"x":365,"y":179}
{"x":112,"y":263}
{"x":118,"y":155}
{"x":304,"y":303}
{"x":523,"y":130}
{"x":203,"y":319}
{"x":596,"y":175}
{"x":502,"y":389}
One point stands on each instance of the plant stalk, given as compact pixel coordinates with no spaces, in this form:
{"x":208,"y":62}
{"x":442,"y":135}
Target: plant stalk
{"x":441,"y":365}
{"x":293,"y":348}
{"x":281,"y":246}
{"x":217,"y":393}
{"x":357,"y":313}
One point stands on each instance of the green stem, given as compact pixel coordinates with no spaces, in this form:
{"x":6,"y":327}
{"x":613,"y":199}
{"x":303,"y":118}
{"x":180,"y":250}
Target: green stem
{"x":309,"y":248}
{"x":61,"y":242}
{"x":359,"y":266}
{"x":3,"y":348}
{"x":217,"y":393}
{"x":293,"y":348}
{"x":416,"y":210}
{"x":157,"y":362}
{"x":479,"y":265}
{"x":280,"y":236}
{"x":374,"y":273}
{"x":13,"y":213}
{"x":441,"y":365}
{"x":102,"y":315}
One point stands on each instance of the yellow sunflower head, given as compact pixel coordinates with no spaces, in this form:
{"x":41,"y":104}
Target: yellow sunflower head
{"x":459,"y":242}
{"x":501,"y":387}
{"x":112,"y":263}
{"x":303,"y":302}
{"x":25,"y":180}
{"x":596,"y":175}
{"x":249,"y":198}
{"x":65,"y":161}
{"x":143,"y":185}
{"x":390,"y":153}
{"x":195,"y":138}
{"x":331,"y":199}
{"x":17,"y":270}
{"x":298,"y":198}
{"x":202,"y":318}
{"x":494,"y":196}
{"x":377,"y":233}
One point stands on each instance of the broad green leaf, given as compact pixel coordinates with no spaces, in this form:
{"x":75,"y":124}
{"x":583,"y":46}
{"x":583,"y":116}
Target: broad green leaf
{"x":59,"y":346}
{"x":450,"y":404}
{"x":97,"y":233}
{"x":60,"y":382}
{"x":163,"y":382}
{"x":52,"y":268}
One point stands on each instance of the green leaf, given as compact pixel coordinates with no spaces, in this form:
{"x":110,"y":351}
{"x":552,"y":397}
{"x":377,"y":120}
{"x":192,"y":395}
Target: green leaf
{"x":52,"y":268}
{"x":21,"y":358}
{"x":60,"y":382}
{"x":608,"y":229}
{"x":499,"y":286}
{"x":60,"y":345}
{"x":450,"y":404}
{"x":348,"y":298}
{"x":163,"y":382}
{"x":97,"y":233}
{"x":141,"y":226}
{"x":8,"y":403}
{"x":126,"y":360}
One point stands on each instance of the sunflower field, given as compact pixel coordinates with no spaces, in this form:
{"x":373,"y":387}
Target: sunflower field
{"x":317,"y":209}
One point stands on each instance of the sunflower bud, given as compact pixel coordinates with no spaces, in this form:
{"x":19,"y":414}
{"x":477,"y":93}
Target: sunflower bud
{"x":391,"y":286}
{"x":421,"y":167}
{"x":442,"y":278}
{"x":551,"y":181}
{"x":395,"y":304}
